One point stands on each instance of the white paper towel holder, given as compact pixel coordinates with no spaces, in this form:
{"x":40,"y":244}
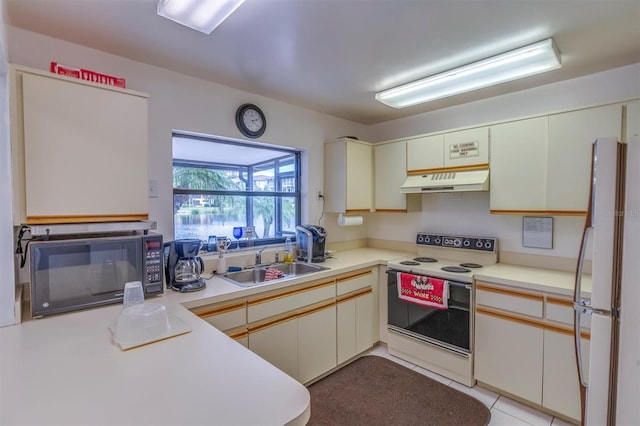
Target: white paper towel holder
{"x":350,"y":220}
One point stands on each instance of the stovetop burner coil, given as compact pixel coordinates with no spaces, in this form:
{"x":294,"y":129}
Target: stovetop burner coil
{"x":471,"y":265}
{"x":409,"y":263}
{"x":457,"y":269}
{"x":425,"y":259}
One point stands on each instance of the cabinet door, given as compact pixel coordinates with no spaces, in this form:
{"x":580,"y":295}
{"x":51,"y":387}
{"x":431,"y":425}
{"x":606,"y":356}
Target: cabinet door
{"x":466,"y":147}
{"x":348,"y":176}
{"x":561,"y":386}
{"x":425,"y":154}
{"x":509,"y":355}
{"x":390,"y":167}
{"x":518,"y":166}
{"x":277,"y":343}
{"x":85,"y":152}
{"x":364,"y":322}
{"x":359,"y":177}
{"x":316,"y":342}
{"x":355,"y":323}
{"x":571,"y":136}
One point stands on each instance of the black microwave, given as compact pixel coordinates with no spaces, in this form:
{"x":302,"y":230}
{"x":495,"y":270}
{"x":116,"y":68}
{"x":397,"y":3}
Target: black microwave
{"x":79,"y":273}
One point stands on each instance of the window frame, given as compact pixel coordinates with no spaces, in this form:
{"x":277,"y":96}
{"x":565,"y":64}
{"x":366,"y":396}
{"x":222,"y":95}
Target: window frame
{"x":250,"y":193}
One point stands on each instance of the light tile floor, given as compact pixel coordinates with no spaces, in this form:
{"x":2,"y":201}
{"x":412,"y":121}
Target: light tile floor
{"x":504,"y":411}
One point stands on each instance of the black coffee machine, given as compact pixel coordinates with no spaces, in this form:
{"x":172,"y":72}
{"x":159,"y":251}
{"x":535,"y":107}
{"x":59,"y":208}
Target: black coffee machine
{"x":310,"y":240}
{"x":183,"y":266}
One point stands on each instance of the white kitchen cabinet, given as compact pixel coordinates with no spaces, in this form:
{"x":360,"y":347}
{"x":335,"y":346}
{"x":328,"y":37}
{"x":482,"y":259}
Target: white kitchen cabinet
{"x":348,"y":176}
{"x":466,"y":148}
{"x":390,"y":168}
{"x":356,"y":313}
{"x":509,"y":355}
{"x":277,"y":342}
{"x":561,"y":388}
{"x":425,"y":154}
{"x":316,"y":341}
{"x":571,"y":135}
{"x":519,"y":166}
{"x":542,"y":165}
{"x":224,"y":316}
{"x":459,"y":150}
{"x":79,"y":150}
{"x":524,"y":346}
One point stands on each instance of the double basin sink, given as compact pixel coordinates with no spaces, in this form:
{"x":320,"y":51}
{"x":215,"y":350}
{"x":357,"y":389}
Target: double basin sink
{"x":279,"y":272}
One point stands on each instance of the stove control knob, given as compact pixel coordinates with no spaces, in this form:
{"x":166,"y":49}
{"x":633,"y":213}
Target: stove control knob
{"x":457,"y":242}
{"x":488,"y":245}
{"x":427,"y":239}
{"x":479,"y":244}
{"x":421,"y":238}
{"x":438,"y":240}
{"x":466,"y":243}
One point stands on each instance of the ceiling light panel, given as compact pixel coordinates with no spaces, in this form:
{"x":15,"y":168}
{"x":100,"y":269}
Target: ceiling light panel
{"x":200,"y":15}
{"x":512,"y":65}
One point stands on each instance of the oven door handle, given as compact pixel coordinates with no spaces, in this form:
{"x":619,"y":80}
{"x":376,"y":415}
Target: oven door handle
{"x":451,"y":283}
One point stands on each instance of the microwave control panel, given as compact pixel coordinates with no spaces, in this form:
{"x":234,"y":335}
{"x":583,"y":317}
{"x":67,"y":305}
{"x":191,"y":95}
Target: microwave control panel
{"x":152,"y":257}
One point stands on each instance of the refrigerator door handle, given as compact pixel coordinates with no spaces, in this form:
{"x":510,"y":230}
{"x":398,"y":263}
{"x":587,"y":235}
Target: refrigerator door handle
{"x":581,"y":306}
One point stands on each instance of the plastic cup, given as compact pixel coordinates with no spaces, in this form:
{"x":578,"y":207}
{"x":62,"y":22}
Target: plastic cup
{"x":133,"y":294}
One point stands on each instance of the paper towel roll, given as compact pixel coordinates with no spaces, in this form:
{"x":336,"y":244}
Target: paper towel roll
{"x":350,"y":220}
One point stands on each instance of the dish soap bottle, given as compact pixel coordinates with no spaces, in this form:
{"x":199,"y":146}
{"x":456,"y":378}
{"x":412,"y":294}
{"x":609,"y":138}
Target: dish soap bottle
{"x":288,"y":252}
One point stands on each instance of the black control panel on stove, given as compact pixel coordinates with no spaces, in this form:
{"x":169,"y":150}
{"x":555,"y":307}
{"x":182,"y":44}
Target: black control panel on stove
{"x":452,"y":241}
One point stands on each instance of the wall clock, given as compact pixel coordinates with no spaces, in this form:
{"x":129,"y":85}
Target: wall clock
{"x":251,"y":121}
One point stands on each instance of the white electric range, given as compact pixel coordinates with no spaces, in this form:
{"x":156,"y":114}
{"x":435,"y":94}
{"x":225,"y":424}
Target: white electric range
{"x":440,"y":340}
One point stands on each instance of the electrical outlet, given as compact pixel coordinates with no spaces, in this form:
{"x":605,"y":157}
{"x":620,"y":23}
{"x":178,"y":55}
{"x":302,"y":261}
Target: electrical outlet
{"x":319,"y":194}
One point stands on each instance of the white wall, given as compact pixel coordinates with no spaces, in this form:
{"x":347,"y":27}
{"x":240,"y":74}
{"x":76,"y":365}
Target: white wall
{"x":7,"y":279}
{"x":181,"y":102}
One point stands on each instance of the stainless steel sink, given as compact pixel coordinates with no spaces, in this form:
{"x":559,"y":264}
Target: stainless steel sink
{"x":256,"y":276}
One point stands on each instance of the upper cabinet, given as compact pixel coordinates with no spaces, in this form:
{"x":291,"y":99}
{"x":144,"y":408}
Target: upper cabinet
{"x":543,"y":165}
{"x":461,"y":150}
{"x":390,"y":173}
{"x":348,"y":176}
{"x":632,"y":123}
{"x":79,"y":150}
{"x":518,"y":170}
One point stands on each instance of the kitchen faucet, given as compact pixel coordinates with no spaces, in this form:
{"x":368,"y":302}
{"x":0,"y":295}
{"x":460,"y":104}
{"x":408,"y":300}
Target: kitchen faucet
{"x":259,"y":256}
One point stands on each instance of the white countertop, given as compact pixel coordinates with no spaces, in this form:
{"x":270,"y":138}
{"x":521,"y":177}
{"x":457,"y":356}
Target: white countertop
{"x":546,"y":280}
{"x":65,"y":369}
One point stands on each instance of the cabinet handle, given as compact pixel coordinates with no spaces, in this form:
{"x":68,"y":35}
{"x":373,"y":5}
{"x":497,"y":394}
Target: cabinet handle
{"x":217,"y":310}
{"x":354,"y":295}
{"x":483,"y":287}
{"x":290,"y":292}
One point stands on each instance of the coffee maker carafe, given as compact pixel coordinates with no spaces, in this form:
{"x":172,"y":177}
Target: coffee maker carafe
{"x":183,"y":266}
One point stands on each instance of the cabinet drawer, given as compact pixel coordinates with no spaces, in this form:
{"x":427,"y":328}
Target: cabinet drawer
{"x":224,"y":316}
{"x":354,"y":281}
{"x":277,"y":303}
{"x":561,"y":310}
{"x":510,"y":300}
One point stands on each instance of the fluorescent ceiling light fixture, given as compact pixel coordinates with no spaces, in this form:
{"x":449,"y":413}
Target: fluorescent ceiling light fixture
{"x":200,"y":15}
{"x":523,"y":62}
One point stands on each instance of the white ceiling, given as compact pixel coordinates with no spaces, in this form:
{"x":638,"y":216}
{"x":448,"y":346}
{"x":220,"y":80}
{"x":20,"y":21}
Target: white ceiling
{"x":333,"y":55}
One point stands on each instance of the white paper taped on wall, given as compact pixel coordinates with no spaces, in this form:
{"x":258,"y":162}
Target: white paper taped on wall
{"x":350,"y":220}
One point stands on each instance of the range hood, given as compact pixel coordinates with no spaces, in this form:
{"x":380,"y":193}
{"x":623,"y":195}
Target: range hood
{"x":471,"y":180}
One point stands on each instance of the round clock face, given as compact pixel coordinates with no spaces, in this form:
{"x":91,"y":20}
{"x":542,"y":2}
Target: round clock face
{"x":251,"y":120}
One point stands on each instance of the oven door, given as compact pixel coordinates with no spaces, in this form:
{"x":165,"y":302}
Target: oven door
{"x":448,"y":328}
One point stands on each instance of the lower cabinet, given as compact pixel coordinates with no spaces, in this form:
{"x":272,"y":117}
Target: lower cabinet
{"x":509,"y":355}
{"x":305,"y":330}
{"x":277,"y":342}
{"x":524,"y":346}
{"x":316,"y":342}
{"x":355,"y":324}
{"x":561,"y":386}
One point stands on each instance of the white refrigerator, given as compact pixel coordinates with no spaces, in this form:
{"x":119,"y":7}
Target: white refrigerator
{"x":610,"y":389}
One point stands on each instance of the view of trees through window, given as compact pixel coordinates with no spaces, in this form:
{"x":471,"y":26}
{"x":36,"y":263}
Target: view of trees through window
{"x":219,"y":186}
